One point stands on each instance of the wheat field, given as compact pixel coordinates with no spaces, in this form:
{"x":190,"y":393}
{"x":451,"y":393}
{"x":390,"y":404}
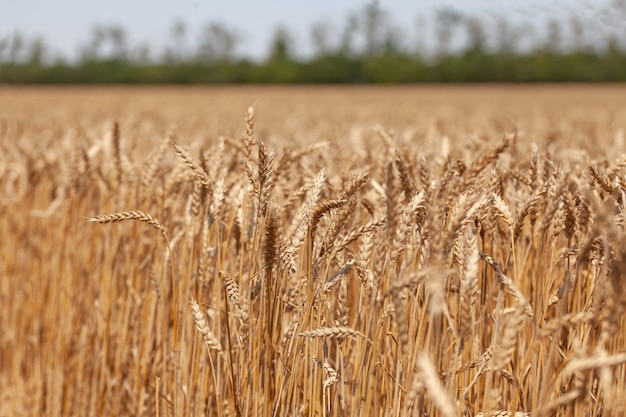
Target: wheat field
{"x":313,"y":251}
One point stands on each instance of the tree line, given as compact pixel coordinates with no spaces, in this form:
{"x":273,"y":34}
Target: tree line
{"x":368,"y":48}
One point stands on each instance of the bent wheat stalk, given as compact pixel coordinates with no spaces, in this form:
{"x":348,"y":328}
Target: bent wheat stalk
{"x":152,"y":221}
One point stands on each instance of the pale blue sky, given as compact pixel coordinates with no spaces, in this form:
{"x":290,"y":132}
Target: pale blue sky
{"x":65,"y":24}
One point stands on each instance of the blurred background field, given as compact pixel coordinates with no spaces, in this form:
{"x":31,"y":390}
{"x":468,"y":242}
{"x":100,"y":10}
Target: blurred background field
{"x":577,"y":112}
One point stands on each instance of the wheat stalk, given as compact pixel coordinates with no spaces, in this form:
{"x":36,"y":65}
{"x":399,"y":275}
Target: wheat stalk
{"x":130,"y":215}
{"x":338,"y":332}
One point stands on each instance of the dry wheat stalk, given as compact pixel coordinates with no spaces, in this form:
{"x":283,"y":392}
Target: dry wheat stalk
{"x":469,"y":287}
{"x":212,"y":160}
{"x":461,"y":221}
{"x":354,"y":235}
{"x":502,"y":209}
{"x":343,"y":308}
{"x":512,"y":329}
{"x":402,"y":331}
{"x":154,"y":160}
{"x":336,"y":277}
{"x":408,"y":185}
{"x":519,"y":177}
{"x":384,"y":135}
{"x":598,"y":359}
{"x":483,"y":161}
{"x":337,"y":332}
{"x":217,"y":201}
{"x":413,"y":209}
{"x":307,"y":150}
{"x":249,"y":136}
{"x":203,"y":327}
{"x":295,"y":196}
{"x":554,"y":202}
{"x":203,"y":264}
{"x":195,"y":203}
{"x":357,"y":180}
{"x":509,"y":284}
{"x":202,"y":176}
{"x":524,"y":211}
{"x":294,"y":238}
{"x":424,"y":172}
{"x":569,"y":209}
{"x":338,"y":222}
{"x":567,"y":321}
{"x":270,"y":246}
{"x":362,"y":261}
{"x":322,"y":208}
{"x":602,"y":180}
{"x":117,"y":153}
{"x":433,"y":385}
{"x":266,"y":177}
{"x":331,"y":375}
{"x":130,"y":215}
{"x":393,"y":200}
{"x":241,"y":309}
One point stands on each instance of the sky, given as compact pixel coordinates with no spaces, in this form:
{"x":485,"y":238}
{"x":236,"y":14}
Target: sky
{"x":66,"y":24}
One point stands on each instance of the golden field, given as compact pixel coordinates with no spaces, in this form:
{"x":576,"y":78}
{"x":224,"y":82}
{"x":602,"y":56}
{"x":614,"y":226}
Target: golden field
{"x":313,"y":251}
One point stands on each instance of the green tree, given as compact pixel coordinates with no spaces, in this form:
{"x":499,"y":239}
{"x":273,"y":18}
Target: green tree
{"x":553,"y":42}
{"x":106,"y":42}
{"x":321,"y":37}
{"x":346,"y":45}
{"x":475,"y":35}
{"x":217,"y":43}
{"x":281,"y":48}
{"x":117,"y":37}
{"x":176,"y":51}
{"x":37,"y":52}
{"x":4,"y":46}
{"x":506,"y":36}
{"x":446,"y":21}
{"x":91,"y":50}
{"x":16,"y":48}
{"x":281,"y":66}
{"x":578,"y":34}
{"x":373,"y":22}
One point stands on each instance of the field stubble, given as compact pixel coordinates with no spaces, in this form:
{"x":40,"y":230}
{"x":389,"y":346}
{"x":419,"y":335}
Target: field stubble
{"x":452,"y":251}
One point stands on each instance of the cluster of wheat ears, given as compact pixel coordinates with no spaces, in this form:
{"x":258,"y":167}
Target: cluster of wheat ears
{"x":250,"y":280}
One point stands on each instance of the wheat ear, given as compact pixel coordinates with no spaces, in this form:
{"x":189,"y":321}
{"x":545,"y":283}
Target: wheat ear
{"x":130,"y":215}
{"x":338,"y":332}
